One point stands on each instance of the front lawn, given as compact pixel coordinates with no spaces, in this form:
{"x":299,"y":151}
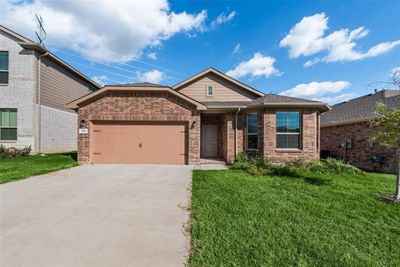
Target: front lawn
{"x":320,"y":220}
{"x":21,"y":167}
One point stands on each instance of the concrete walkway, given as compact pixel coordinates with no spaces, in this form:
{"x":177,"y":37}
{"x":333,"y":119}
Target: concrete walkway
{"x":105,"y":215}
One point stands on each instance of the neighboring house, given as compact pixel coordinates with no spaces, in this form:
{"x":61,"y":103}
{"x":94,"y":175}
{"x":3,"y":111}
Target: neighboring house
{"x":209,"y":115}
{"x":350,"y":122}
{"x":35,"y":85}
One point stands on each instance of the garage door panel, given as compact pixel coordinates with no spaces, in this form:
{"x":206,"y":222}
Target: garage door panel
{"x":138,"y":143}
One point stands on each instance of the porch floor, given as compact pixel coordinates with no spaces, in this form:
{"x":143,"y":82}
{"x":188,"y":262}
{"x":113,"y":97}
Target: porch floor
{"x":212,"y":161}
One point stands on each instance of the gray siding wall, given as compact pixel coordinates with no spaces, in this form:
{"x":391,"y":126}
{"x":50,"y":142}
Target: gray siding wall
{"x":223,"y":90}
{"x":59,"y":124}
{"x":20,"y":92}
{"x":59,"y":86}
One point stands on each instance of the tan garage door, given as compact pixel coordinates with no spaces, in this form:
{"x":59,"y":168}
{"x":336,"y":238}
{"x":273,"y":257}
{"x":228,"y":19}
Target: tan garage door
{"x":138,"y":143}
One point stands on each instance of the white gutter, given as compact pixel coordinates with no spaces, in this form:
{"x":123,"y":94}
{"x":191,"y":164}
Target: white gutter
{"x":39,"y":89}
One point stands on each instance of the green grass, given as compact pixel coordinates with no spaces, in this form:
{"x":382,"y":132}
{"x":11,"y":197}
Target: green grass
{"x":321,"y":220}
{"x":17,"y":168}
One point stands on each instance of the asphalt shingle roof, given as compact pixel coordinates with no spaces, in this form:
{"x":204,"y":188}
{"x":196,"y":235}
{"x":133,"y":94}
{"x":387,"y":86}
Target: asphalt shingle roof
{"x":266,"y":99}
{"x":225,"y":104}
{"x":360,"y":108}
{"x":276,"y":99}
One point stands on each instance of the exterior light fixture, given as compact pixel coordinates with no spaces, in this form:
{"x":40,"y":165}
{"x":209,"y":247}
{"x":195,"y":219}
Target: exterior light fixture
{"x":193,"y":125}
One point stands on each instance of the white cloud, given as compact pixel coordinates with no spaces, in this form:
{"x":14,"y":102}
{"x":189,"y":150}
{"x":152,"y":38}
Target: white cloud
{"x":109,"y":30}
{"x":308,"y":37}
{"x":152,"y":55}
{"x":153,"y":76}
{"x":236,"y":49}
{"x":258,"y":65}
{"x":102,"y":79}
{"x":305,"y":37}
{"x":318,"y":90}
{"x":222,"y":18}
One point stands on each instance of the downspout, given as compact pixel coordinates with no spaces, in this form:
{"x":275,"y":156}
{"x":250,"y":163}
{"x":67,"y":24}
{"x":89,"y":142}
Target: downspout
{"x":38,"y":93}
{"x":236,"y":122}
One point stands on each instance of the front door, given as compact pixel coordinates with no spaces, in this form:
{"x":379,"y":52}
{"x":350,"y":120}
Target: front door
{"x":209,"y":141}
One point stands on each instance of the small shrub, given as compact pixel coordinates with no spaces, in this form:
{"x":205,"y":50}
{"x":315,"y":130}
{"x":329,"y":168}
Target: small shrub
{"x":2,"y":152}
{"x":254,"y":170}
{"x":258,"y":165}
{"x":242,"y":157}
{"x":25,"y":151}
{"x":315,"y":165}
{"x":338,"y":166}
{"x":14,"y":152}
{"x":297,"y":163}
{"x":243,"y":161}
{"x":240,"y":165}
{"x":260,"y":162}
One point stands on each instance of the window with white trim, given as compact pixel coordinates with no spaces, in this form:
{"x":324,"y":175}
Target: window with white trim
{"x":8,"y":124}
{"x":210,"y":90}
{"x":252,"y":130}
{"x":3,"y":67}
{"x":288,"y":134}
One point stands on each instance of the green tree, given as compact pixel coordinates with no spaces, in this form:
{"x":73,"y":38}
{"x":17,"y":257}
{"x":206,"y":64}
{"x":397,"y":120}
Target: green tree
{"x":387,"y":124}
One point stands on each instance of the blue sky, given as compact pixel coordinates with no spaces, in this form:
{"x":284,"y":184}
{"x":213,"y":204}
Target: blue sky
{"x":166,"y":42}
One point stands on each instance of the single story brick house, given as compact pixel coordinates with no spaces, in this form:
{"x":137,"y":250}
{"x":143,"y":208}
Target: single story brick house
{"x":350,"y":123}
{"x":209,"y":115}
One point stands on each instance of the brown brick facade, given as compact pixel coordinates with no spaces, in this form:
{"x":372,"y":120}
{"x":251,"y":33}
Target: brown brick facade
{"x":362,"y":149}
{"x":267,"y":135}
{"x":140,"y":106}
{"x":158,"y":106}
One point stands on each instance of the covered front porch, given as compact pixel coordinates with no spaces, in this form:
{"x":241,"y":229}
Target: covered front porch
{"x":221,"y":137}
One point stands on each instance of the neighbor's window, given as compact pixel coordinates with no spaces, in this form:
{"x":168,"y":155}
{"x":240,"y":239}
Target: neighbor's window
{"x":288,"y":129}
{"x":210,"y":90}
{"x":3,"y":67}
{"x":252,"y":131}
{"x":8,"y":124}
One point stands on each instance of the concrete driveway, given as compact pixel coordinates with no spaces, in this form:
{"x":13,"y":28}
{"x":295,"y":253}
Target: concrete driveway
{"x":104,"y":215}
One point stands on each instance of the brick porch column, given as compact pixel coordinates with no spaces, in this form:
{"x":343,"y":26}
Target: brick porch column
{"x":194,"y":139}
{"x":228,"y":137}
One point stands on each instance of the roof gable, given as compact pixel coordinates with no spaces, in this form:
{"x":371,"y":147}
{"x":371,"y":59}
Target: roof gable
{"x":76,"y":104}
{"x":220,"y":75}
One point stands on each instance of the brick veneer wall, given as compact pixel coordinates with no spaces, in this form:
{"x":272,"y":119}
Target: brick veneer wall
{"x":309,"y":148}
{"x":229,"y":123}
{"x":361,"y":151}
{"x":140,"y":106}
